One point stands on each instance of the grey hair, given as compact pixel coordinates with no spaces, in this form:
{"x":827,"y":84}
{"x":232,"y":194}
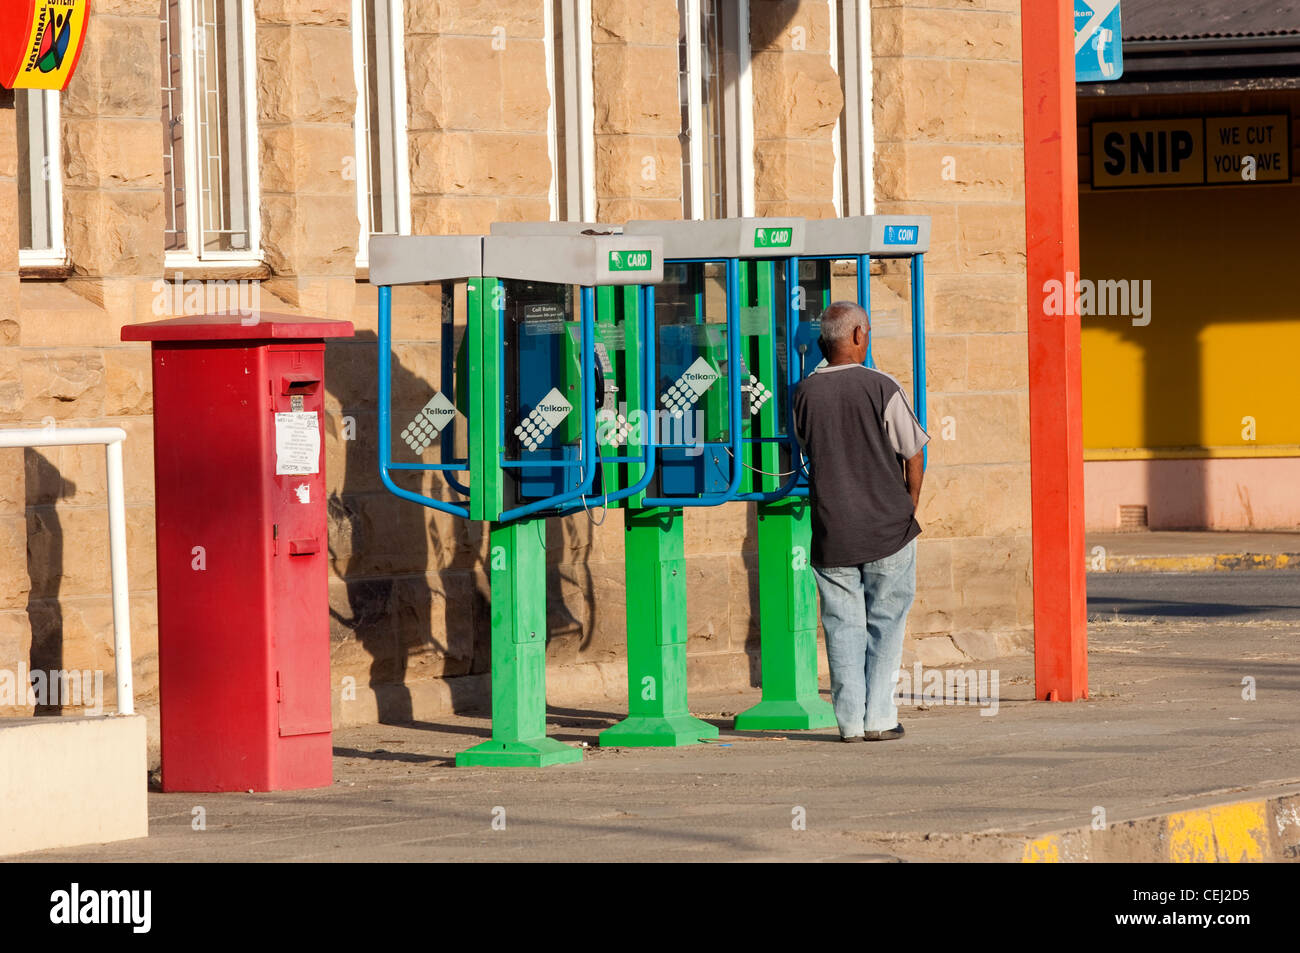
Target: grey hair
{"x":839,"y":320}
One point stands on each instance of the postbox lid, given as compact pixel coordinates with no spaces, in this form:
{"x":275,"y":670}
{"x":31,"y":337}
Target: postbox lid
{"x":227,"y":327}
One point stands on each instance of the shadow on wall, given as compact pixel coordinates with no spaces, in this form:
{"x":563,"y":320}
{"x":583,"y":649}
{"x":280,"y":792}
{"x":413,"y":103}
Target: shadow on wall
{"x":401,"y":571}
{"x":45,"y":487}
{"x":396,"y":573}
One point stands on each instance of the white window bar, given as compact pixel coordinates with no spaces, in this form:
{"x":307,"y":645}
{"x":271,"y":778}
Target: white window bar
{"x":839,"y":63}
{"x":715,"y":87}
{"x":690,"y":92}
{"x":571,"y":120}
{"x":854,"y":135}
{"x":745,"y":109}
{"x":209,"y":58}
{"x":111,"y":438}
{"x":174,"y":165}
{"x":715,"y":107}
{"x":40,"y":179}
{"x":382,"y":163}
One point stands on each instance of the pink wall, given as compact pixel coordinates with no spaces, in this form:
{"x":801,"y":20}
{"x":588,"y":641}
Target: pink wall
{"x":1252,"y":493}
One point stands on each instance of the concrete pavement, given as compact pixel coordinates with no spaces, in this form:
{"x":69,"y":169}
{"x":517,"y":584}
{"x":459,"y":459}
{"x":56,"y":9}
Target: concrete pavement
{"x":1168,"y":729}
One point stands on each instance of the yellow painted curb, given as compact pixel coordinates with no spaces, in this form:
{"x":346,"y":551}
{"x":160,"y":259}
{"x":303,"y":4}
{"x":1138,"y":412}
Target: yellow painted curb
{"x":1229,"y":834}
{"x":1206,"y":562}
{"x":1241,"y":832}
{"x":1045,"y":850}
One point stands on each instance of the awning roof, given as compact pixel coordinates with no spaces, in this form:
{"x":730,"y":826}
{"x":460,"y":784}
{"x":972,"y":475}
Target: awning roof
{"x":1208,"y":19}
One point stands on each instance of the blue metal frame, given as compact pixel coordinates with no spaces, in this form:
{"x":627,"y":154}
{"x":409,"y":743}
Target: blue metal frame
{"x":733,"y":388}
{"x":790,"y":487}
{"x":385,"y":419}
{"x":648,"y":444}
{"x":448,"y":370}
{"x":588,"y":460}
{"x":918,"y":344}
{"x":563,"y":503}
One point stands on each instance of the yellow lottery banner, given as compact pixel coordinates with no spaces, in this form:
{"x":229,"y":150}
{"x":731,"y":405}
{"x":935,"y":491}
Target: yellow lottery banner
{"x":40,"y":42}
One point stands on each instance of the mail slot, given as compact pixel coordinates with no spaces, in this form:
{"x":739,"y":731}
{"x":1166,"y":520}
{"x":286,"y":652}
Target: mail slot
{"x":292,"y":385}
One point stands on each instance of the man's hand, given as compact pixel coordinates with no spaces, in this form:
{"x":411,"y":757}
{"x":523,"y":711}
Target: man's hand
{"x":914,"y":472}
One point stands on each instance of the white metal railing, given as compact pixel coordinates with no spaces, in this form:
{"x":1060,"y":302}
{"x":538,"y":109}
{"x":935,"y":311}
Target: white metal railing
{"x":111,"y":438}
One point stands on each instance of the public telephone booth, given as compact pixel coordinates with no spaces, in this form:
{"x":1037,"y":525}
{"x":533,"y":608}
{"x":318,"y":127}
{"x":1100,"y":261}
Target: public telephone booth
{"x":754,"y":458}
{"x":853,"y":244}
{"x":551,"y":356}
{"x":788,"y":618}
{"x":650,"y":367}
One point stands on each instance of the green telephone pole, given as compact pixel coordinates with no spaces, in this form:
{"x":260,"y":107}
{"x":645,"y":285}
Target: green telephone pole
{"x":518,"y":573}
{"x":655,"y":568}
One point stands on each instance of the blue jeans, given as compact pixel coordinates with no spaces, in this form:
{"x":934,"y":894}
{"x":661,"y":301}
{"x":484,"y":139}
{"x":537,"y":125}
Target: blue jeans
{"x":864,"y":611}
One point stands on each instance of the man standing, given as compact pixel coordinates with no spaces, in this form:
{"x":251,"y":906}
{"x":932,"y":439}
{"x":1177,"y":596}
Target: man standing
{"x":864,"y":449}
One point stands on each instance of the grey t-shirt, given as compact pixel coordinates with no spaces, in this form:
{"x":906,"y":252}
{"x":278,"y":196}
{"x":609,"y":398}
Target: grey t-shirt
{"x":857,"y":429}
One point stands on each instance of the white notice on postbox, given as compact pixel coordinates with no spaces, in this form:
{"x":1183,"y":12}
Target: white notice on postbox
{"x":297,"y":444}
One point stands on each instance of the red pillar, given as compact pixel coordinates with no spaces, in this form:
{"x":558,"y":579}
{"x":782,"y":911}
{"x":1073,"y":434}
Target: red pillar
{"x":1055,"y":391}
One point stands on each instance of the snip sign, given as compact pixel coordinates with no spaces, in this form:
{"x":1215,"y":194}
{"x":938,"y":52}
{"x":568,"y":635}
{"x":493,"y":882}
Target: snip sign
{"x":1195,"y":150}
{"x":1247,"y":149}
{"x":40,"y":42}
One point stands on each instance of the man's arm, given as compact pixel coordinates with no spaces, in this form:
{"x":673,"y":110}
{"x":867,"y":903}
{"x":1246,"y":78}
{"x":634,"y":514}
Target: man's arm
{"x":914,"y":472}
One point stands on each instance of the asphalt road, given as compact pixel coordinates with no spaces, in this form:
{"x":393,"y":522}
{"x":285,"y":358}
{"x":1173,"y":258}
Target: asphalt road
{"x":1253,"y":595}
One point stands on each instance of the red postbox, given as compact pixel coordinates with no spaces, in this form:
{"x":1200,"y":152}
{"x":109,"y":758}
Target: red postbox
{"x":243,"y":609}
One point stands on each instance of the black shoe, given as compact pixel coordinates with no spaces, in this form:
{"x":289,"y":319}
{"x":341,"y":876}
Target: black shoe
{"x":888,"y":735}
{"x":852,"y":738}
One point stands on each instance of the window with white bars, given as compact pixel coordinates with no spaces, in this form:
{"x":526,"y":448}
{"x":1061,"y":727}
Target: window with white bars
{"x":381,"y":166}
{"x":717,"y":108}
{"x":40,"y":179}
{"x":571,"y":119}
{"x":209,"y":130}
{"x":854,"y":148}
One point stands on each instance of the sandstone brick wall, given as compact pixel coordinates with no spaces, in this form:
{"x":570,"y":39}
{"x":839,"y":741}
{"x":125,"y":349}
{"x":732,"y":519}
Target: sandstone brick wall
{"x":408,"y":592}
{"x":476,"y":83}
{"x":638,"y":110}
{"x":949,"y":144}
{"x":15,"y":630}
{"x":306,"y":101}
{"x":797,"y":99}
{"x":65,"y":367}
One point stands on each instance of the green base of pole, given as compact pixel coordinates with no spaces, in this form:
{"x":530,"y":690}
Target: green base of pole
{"x":657,"y":731}
{"x":537,"y":753}
{"x":787,"y":596}
{"x":518,"y":579}
{"x":658,"y":713}
{"x":798,"y":714}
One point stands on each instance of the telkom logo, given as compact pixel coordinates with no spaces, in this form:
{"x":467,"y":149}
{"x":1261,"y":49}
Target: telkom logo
{"x":543,"y":419}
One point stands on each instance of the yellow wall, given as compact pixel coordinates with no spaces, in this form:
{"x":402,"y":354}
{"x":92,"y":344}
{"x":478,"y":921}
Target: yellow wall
{"x":1223,"y":342}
